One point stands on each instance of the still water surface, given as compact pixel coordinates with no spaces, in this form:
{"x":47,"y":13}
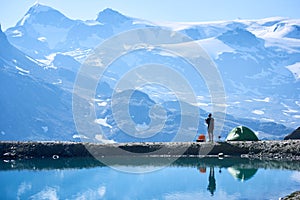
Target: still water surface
{"x":187,"y":178}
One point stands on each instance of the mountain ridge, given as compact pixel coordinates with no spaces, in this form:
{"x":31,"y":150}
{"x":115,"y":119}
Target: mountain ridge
{"x":257,"y":59}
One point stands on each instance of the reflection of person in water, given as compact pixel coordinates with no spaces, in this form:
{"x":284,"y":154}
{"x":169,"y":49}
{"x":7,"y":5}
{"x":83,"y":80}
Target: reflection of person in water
{"x":211,"y":181}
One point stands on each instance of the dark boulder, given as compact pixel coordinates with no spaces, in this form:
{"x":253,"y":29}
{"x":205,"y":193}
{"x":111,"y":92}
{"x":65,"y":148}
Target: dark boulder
{"x":295,"y":135}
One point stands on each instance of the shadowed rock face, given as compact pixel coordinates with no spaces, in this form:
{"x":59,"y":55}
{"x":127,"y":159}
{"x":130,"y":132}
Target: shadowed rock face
{"x":295,"y":135}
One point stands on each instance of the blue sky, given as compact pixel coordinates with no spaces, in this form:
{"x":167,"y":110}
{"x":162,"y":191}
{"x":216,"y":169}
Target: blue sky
{"x":158,"y":10}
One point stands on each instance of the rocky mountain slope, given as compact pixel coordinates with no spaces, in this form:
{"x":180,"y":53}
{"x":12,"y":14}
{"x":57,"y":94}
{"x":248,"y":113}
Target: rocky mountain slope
{"x":258,"y":60}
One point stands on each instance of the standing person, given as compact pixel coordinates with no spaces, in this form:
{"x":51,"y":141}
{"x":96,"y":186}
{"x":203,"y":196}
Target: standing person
{"x":210,"y":127}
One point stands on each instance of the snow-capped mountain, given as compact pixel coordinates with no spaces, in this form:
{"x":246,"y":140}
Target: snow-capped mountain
{"x":258,"y":60}
{"x":259,"y":63}
{"x":44,"y":30}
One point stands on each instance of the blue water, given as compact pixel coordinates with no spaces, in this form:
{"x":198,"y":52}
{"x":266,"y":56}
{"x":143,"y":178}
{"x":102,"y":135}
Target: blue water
{"x":196,"y":179}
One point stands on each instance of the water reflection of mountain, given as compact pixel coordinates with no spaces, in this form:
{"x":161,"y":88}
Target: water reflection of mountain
{"x":194,"y":162}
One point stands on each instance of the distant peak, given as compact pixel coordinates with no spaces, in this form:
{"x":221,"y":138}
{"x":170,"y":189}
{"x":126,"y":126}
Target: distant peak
{"x":110,"y":11}
{"x":110,"y":16}
{"x":36,"y":2}
{"x":37,"y":7}
{"x":39,"y":13}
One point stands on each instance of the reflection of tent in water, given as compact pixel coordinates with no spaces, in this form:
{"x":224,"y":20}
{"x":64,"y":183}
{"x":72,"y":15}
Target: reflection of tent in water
{"x":241,"y":133}
{"x":241,"y":174}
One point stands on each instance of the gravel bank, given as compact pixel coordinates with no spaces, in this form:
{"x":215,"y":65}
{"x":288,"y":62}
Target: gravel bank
{"x":268,"y":150}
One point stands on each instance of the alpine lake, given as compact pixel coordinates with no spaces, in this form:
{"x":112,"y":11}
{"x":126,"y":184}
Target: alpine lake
{"x":148,"y":178}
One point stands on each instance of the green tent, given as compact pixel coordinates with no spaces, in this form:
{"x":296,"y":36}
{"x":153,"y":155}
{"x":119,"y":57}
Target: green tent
{"x":241,"y":133}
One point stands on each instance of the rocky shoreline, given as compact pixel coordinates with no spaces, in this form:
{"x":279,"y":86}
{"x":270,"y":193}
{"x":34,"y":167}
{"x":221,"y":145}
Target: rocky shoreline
{"x":267,"y":150}
{"x":293,"y":196}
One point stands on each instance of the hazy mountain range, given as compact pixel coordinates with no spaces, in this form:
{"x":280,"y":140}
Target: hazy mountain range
{"x":259,"y":62}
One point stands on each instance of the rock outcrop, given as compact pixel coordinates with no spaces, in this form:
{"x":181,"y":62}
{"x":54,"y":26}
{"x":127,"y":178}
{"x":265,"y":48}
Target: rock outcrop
{"x":293,"y":196}
{"x":295,"y":135}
